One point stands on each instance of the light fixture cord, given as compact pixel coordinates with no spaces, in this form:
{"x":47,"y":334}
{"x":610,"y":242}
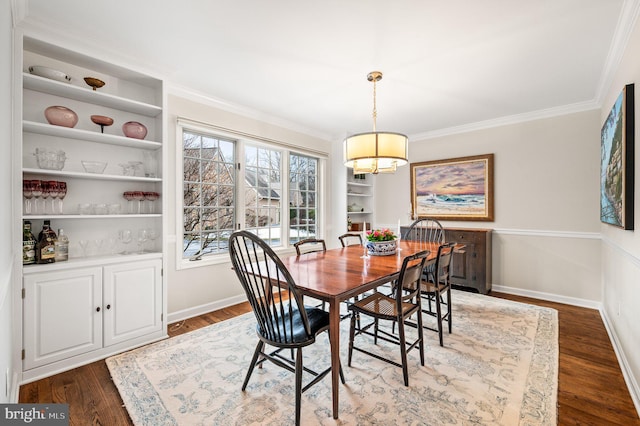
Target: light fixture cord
{"x":375,"y":112}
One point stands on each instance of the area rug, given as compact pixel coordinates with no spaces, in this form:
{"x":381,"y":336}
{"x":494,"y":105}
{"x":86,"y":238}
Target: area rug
{"x":499,"y":367}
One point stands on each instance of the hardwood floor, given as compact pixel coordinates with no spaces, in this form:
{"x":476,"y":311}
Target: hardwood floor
{"x":591,"y":389}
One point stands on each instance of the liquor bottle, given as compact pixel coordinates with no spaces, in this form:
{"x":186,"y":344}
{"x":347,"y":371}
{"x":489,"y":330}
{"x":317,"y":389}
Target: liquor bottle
{"x":28,"y":245}
{"x":45,"y":248}
{"x":62,"y":246}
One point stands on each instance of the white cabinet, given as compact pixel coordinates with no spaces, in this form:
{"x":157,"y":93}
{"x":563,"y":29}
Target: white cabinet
{"x":360,"y":200}
{"x":61,"y":315}
{"x":90,"y":311}
{"x":109,"y":296}
{"x":132,"y":300}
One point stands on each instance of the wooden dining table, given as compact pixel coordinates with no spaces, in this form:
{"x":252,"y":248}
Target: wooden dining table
{"x":337,"y":275}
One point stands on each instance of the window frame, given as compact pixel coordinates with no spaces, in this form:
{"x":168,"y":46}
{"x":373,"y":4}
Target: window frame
{"x":241,"y":140}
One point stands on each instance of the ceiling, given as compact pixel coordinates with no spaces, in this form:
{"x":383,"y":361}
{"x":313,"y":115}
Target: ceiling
{"x":446,"y":64}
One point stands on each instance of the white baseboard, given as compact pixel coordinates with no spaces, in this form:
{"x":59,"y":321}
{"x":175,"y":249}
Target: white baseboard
{"x":632,"y":384}
{"x":574,"y":301}
{"x":206,"y":308}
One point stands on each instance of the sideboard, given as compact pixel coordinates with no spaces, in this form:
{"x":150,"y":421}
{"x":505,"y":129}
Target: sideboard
{"x":471,"y":266}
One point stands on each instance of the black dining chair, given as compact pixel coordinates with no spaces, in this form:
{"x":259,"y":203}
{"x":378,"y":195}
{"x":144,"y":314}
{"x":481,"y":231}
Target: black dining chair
{"x":310,"y":245}
{"x":350,"y":239}
{"x":426,"y":230}
{"x":283,"y":321}
{"x":397,"y":308}
{"x":435,"y":287}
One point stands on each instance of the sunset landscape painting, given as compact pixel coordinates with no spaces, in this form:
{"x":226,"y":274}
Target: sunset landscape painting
{"x":454,"y":189}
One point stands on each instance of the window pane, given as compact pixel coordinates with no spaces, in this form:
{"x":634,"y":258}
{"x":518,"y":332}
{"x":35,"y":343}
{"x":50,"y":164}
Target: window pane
{"x":302,"y":197}
{"x":262,"y":193}
{"x":208,"y":194}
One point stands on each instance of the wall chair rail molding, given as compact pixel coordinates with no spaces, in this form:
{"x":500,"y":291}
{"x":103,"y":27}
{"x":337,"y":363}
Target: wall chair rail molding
{"x":547,"y":233}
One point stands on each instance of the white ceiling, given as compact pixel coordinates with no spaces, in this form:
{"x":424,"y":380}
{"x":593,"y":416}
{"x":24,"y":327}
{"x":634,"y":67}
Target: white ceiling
{"x":446,"y":64}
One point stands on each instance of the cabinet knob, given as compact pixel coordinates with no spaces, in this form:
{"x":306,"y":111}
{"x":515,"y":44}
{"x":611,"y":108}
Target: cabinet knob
{"x":108,"y":306}
{"x":98,"y":309}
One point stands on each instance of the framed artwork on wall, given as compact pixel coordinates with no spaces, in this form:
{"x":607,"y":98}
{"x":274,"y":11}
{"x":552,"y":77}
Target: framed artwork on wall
{"x":453,"y":189}
{"x":617,"y":164}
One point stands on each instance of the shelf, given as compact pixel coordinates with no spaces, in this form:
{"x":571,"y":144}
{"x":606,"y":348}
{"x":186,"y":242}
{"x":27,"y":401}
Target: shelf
{"x":90,"y":176}
{"x":86,"y":135}
{"x":46,"y":85}
{"x":89,"y":216}
{"x":78,"y":262}
{"x":351,"y":194}
{"x":348,"y":213}
{"x":359,"y":184}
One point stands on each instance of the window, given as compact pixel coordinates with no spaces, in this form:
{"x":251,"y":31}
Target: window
{"x":233,"y":182}
{"x":303,"y":172}
{"x":208,"y":170}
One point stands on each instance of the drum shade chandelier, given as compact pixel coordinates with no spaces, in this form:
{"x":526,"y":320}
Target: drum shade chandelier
{"x":375,"y":152}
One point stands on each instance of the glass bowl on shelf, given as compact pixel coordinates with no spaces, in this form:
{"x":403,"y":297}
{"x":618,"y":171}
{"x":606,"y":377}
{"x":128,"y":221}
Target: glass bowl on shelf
{"x":94,"y":166}
{"x":50,"y":159}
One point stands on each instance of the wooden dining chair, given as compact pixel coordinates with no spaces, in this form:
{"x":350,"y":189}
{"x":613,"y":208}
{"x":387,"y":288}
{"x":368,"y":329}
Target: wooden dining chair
{"x":435,"y":287}
{"x":396,"y":308}
{"x":426,"y":230}
{"x":310,"y":245}
{"x":350,"y":239}
{"x":283,"y":322}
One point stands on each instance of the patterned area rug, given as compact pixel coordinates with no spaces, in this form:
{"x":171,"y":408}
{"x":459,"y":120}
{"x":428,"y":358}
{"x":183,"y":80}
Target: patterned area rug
{"x":499,"y":367}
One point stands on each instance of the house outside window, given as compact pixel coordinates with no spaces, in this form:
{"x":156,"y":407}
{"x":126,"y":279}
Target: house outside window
{"x":232,"y":182}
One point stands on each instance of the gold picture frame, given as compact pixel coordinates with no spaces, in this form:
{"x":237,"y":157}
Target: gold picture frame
{"x":453,"y":189}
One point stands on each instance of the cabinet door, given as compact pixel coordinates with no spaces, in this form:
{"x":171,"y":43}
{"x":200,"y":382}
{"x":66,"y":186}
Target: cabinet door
{"x":132,"y":300}
{"x":62,"y":315}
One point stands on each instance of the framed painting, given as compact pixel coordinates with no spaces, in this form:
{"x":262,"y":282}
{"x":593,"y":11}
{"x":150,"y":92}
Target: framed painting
{"x":616,"y":162}
{"x":453,"y":189}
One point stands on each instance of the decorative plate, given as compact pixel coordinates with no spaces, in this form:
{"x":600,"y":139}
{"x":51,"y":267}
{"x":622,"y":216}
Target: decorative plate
{"x":49,"y":73}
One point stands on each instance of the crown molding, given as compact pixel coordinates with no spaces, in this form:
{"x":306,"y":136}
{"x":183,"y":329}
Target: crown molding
{"x":19,"y":11}
{"x":200,"y":97}
{"x":507,"y":120}
{"x":624,"y":28}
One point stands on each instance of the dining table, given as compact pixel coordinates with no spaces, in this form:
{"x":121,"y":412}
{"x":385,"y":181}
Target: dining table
{"x":337,"y":275}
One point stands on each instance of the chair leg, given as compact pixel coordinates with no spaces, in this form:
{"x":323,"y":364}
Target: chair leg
{"x":403,"y":351}
{"x":352,"y":332}
{"x":420,"y":336}
{"x":256,"y":354}
{"x":449,"y":309}
{"x":375,"y":331}
{"x":298,"y":385}
{"x":439,"y":316}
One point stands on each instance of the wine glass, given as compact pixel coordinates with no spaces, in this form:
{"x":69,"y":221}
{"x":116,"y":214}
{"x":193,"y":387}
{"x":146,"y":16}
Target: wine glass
{"x":139,"y":196}
{"x":46,"y":192}
{"x":143,"y":237}
{"x":125,"y":238}
{"x":112,"y":242}
{"x":62,"y":192}
{"x":27,"y":192}
{"x":53,"y":193}
{"x":36,"y":190}
{"x":84,"y":244}
{"x":128,"y":195}
{"x":151,"y":197}
{"x":153,"y":236}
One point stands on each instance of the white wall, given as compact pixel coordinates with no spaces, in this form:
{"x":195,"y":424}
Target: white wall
{"x":6,"y":250}
{"x":546,"y":239}
{"x":621,"y":249}
{"x":202,"y":289}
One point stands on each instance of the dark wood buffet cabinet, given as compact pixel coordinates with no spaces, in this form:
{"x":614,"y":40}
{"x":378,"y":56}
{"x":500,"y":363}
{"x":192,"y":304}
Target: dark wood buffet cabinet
{"x":472,"y":266}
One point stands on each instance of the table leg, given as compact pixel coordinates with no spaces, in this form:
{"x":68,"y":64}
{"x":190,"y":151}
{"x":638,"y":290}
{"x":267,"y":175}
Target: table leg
{"x":334,"y":338}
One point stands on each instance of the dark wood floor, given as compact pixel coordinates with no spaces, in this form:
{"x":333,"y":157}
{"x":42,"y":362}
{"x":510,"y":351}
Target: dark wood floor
{"x":591,"y":389}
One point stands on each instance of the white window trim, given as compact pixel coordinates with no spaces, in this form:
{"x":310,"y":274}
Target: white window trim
{"x":242,"y":138}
